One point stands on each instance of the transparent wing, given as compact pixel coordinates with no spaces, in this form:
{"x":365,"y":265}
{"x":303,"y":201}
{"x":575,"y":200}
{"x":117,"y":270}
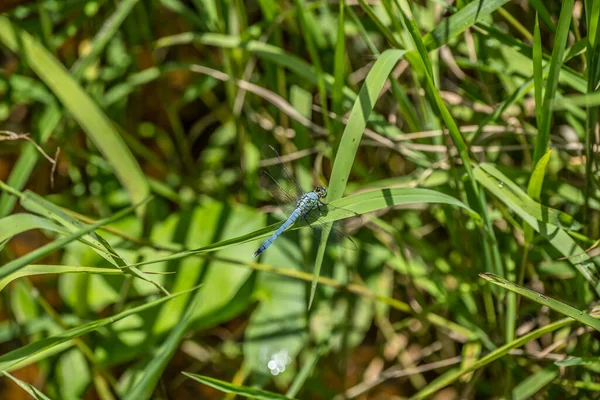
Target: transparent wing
{"x":283,"y":197}
{"x":314,"y":220}
{"x":279,"y":175}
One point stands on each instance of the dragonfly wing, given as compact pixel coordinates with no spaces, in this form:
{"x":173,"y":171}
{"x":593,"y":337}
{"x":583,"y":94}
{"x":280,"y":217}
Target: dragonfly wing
{"x":279,"y":172}
{"x":313,"y":220}
{"x":283,"y":197}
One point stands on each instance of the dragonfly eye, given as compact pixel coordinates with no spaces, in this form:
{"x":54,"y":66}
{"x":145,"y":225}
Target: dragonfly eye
{"x":321,"y":191}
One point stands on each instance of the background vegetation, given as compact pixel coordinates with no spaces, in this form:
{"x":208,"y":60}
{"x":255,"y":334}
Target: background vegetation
{"x":463,"y":134}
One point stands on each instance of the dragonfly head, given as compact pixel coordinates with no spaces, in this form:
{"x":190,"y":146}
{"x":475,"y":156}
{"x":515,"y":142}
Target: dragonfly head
{"x":321,"y":192}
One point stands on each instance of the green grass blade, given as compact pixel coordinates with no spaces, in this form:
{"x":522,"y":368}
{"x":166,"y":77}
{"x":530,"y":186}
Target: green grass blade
{"x":385,"y":31}
{"x":493,"y":356}
{"x":242,"y":391}
{"x":534,"y":188}
{"x":42,"y":251}
{"x":586,"y":385}
{"x":35,"y":203}
{"x":555,"y":305}
{"x":538,"y":78}
{"x":423,"y":66}
{"x":457,"y":23}
{"x":18,"y":223}
{"x":30,"y":389}
{"x":39,"y":269}
{"x":180,"y":8}
{"x":23,"y":354}
{"x":160,"y":358}
{"x":337,"y":94}
{"x":93,"y":121}
{"x":310,"y":37}
{"x":346,"y":207}
{"x":350,"y":140}
{"x":104,"y":36}
{"x":534,"y":383}
{"x":575,"y":361}
{"x":543,"y":13}
{"x":578,"y":100}
{"x":564,"y":22}
{"x":537,"y":216}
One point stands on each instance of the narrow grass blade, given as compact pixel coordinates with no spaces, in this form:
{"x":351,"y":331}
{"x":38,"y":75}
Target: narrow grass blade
{"x":105,"y":34}
{"x":542,"y":213}
{"x":538,"y":78}
{"x":565,"y":309}
{"x":160,"y":358}
{"x":180,"y":8}
{"x":348,"y":146}
{"x":30,"y":389}
{"x":493,"y":356}
{"x":543,"y":13}
{"x":346,"y":207}
{"x":15,"y":224}
{"x":586,"y":385}
{"x":15,"y":265}
{"x":38,"y":204}
{"x":534,"y":187}
{"x":337,"y":94}
{"x":560,"y":41}
{"x":575,"y":361}
{"x":579,"y":100}
{"x":537,"y":216}
{"x":22,"y":354}
{"x":39,"y":269}
{"x":311,"y":36}
{"x":94,"y":122}
{"x":457,"y":23}
{"x":534,"y":383}
{"x":422,"y":65}
{"x":242,"y":391}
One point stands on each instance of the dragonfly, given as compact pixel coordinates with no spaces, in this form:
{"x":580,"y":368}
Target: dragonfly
{"x":300,"y":205}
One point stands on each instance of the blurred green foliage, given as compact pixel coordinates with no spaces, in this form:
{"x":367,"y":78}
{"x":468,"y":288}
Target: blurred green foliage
{"x":460,"y":138}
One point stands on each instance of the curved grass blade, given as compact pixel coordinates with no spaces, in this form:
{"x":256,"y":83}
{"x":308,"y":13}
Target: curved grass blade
{"x":32,"y":390}
{"x":347,"y":207}
{"x":457,"y":23}
{"x":451,"y":377}
{"x":161,"y":357}
{"x":244,"y":391}
{"x":560,"y":307}
{"x":39,"y":269}
{"x":18,"y":357}
{"x":350,"y":140}
{"x":540,"y":218}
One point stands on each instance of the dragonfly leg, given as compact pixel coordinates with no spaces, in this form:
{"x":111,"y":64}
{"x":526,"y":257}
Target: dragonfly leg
{"x":308,"y":212}
{"x":319,"y":204}
{"x":307,"y":223}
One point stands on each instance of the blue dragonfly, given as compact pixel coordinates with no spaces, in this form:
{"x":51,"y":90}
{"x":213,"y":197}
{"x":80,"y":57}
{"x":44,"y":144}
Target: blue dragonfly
{"x":300,"y":205}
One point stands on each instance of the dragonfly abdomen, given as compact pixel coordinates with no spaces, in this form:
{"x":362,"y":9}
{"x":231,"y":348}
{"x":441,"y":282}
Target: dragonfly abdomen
{"x":292,"y":218}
